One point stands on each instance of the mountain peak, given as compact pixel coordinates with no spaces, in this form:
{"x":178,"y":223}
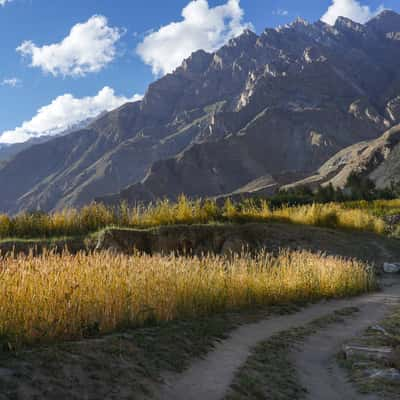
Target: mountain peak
{"x":344,"y":23}
{"x":386,"y":22}
{"x":298,"y":23}
{"x":386,"y":14}
{"x":245,"y":38}
{"x":270,"y":105}
{"x":197,"y":62}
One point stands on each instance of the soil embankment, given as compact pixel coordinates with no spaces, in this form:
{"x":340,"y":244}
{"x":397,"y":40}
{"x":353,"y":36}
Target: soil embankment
{"x":223,"y":239}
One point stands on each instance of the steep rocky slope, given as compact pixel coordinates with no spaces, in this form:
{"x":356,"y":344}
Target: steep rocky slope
{"x":378,"y":160}
{"x":276,"y":105}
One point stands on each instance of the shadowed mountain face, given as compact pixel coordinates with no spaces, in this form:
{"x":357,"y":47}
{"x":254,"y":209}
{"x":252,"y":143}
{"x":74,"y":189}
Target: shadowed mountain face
{"x":378,"y":160}
{"x":276,"y":105}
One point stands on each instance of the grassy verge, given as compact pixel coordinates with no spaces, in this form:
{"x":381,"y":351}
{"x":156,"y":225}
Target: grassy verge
{"x":360,"y":368}
{"x":57,"y":297}
{"x":380,"y":208}
{"x":71,"y":222}
{"x":269,"y":372}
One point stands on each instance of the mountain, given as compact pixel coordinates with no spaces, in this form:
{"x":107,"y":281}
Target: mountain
{"x":378,"y":160}
{"x":262,"y":110}
{"x":8,"y":151}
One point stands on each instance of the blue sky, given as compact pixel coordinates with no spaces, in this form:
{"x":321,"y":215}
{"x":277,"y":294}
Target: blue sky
{"x":112,"y":39}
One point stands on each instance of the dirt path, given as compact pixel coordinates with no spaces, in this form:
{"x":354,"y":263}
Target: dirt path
{"x":211,"y":377}
{"x":315,"y":362}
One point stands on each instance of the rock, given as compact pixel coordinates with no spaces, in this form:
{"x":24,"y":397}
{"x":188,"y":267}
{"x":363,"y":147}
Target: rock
{"x":388,"y":374}
{"x":391,"y":268}
{"x":371,"y":353}
{"x":381,"y":330}
{"x":393,"y":109}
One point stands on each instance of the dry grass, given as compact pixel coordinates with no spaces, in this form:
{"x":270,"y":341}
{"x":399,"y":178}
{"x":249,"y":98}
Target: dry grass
{"x":332,"y":216}
{"x":61,"y":297}
{"x":376,"y":207}
{"x":71,"y":222}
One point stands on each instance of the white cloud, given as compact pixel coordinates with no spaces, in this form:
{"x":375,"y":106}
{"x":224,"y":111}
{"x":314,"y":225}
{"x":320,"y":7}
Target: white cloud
{"x":352,"y":9}
{"x":89,"y":47}
{"x":4,"y":2}
{"x":64,"y":112}
{"x":12,"y":82}
{"x":202,"y":27}
{"x":281,"y":12}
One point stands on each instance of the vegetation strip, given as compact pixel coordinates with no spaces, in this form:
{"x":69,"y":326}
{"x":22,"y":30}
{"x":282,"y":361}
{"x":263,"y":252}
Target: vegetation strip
{"x":269,"y":372}
{"x":57,"y":297}
{"x":364,"y":216}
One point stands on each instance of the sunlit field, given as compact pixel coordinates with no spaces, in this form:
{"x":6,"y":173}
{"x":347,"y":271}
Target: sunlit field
{"x":376,"y":207}
{"x":364,"y":216}
{"x":60,"y":297}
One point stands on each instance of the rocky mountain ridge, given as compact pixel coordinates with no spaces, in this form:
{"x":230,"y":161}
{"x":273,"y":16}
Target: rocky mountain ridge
{"x":274,"y":105}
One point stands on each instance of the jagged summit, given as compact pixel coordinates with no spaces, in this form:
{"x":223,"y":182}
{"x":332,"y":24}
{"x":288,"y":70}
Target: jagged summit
{"x":347,"y":24}
{"x":247,"y":38}
{"x":279,"y":104}
{"x":299,"y":22}
{"x":385,"y":16}
{"x":197,"y":62}
{"x":387,"y":21}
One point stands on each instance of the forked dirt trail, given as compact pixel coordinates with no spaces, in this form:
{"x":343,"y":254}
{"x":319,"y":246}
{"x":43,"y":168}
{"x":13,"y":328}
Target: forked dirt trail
{"x":210,"y":378}
{"x":315,"y":362}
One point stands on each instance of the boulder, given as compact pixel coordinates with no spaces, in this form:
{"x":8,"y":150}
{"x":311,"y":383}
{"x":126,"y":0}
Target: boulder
{"x":387,"y":374}
{"x":367,"y":352}
{"x":391,"y":268}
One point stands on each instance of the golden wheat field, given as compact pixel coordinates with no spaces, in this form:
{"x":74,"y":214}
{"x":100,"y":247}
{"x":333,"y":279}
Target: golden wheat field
{"x":71,"y":222}
{"x":60,"y":297}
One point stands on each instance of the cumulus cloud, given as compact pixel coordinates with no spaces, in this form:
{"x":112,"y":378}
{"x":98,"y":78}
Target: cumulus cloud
{"x":4,"y":2}
{"x":202,"y":27}
{"x":12,"y":82}
{"x":65,"y":112}
{"x":352,"y":9}
{"x":89,"y":47}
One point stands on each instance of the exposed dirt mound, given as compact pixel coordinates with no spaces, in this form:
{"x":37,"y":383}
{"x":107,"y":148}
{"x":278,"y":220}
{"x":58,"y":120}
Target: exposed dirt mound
{"x":226,"y":239}
{"x":222,"y":239}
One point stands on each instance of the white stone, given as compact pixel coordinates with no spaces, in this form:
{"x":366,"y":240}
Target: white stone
{"x":390,"y":374}
{"x":371,"y":353}
{"x":391,"y":268}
